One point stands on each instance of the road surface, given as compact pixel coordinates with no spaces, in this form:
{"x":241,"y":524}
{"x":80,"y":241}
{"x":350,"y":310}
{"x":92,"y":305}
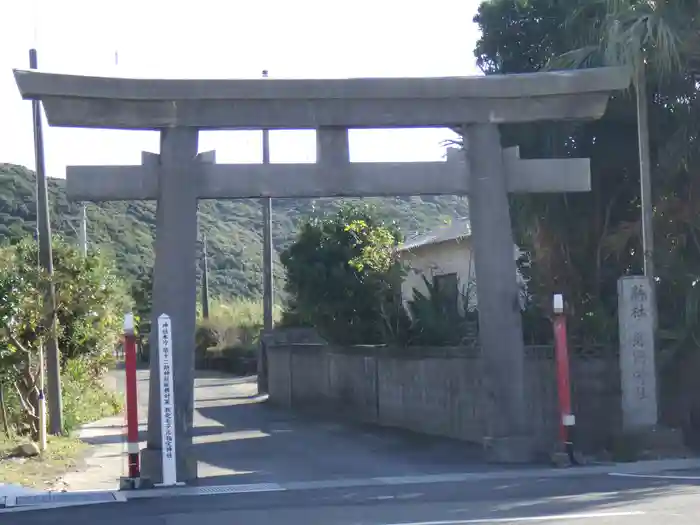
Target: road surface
{"x":304,"y":471}
{"x":596,"y":499}
{"x":239,"y":438}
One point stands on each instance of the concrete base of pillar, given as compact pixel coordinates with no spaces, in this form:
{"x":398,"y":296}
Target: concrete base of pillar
{"x":152,"y":467}
{"x":151,"y":464}
{"x":135,"y":483}
{"x":510,"y":449}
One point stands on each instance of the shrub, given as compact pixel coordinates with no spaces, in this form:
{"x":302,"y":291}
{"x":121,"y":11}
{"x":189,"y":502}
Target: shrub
{"x":435,"y":322}
{"x":343,"y":277}
{"x":90,"y":301}
{"x":230,"y":337}
{"x":85,"y":397}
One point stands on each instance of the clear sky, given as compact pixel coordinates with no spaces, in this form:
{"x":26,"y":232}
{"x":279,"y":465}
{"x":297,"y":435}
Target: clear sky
{"x":228,"y":39}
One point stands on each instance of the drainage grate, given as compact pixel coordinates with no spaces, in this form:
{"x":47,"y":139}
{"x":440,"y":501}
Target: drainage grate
{"x":233,"y":489}
{"x":66,"y":497}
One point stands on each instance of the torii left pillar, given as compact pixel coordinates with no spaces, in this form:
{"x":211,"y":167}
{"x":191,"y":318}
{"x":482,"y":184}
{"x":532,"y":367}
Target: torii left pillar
{"x":175,"y":294}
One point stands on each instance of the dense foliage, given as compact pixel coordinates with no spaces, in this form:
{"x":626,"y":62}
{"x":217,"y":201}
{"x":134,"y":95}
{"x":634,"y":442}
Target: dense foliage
{"x":343,"y":277}
{"x":582,"y":243}
{"x":125,"y":230}
{"x":90,"y":301}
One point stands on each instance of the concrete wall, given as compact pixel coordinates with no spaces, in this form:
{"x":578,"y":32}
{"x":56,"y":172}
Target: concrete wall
{"x":440,"y":391}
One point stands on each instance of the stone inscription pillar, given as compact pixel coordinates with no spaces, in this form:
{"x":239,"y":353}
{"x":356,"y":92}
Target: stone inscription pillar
{"x":637,"y":363}
{"x":174,"y":293}
{"x":500,"y":323}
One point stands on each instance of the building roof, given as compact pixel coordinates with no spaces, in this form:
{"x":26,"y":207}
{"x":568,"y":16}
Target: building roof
{"x":457,"y":229}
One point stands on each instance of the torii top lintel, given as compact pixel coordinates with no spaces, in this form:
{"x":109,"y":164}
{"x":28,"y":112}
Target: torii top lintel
{"x":124,"y":103}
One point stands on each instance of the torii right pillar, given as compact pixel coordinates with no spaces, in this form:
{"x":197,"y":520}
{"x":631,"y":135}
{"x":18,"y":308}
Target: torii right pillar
{"x":500,"y":322}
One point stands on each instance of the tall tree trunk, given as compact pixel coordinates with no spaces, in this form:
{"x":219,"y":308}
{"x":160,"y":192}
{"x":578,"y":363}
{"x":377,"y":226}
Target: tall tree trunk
{"x":3,"y":410}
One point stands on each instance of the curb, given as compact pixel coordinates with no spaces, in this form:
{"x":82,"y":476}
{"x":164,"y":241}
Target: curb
{"x":11,"y":503}
{"x":641,"y":467}
{"x":53,"y":500}
{"x":644,"y":467}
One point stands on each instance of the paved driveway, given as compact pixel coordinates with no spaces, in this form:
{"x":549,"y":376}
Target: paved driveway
{"x":240,"y":438}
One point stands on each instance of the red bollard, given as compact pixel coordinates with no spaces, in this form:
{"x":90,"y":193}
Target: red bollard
{"x":132,"y":407}
{"x":561,"y":350}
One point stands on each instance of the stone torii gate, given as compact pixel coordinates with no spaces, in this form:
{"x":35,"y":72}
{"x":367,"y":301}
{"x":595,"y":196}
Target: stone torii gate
{"x":178,"y":177}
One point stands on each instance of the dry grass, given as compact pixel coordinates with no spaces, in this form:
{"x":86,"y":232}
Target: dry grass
{"x":40,"y":472}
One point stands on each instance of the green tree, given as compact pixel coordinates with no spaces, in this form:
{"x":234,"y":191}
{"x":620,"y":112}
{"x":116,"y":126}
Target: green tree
{"x":21,"y":338}
{"x":343,"y":277}
{"x":90,"y":301}
{"x":660,"y":41}
{"x":581,"y":244}
{"x":142,"y":297}
{"x":649,"y":36}
{"x":565,"y":234}
{"x":90,"y":298}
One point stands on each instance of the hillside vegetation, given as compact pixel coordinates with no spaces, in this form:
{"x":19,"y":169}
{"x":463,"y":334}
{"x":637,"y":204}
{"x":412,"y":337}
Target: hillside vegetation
{"x":125,"y":230}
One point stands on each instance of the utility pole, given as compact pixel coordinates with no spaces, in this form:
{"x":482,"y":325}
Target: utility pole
{"x":53,"y":365}
{"x":42,"y":367}
{"x":268,"y":290}
{"x":83,"y":231}
{"x":645,"y":173}
{"x":647,"y":203}
{"x":205,"y":279}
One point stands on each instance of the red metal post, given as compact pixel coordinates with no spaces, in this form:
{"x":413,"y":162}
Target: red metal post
{"x":561,"y":349}
{"x":132,"y":414}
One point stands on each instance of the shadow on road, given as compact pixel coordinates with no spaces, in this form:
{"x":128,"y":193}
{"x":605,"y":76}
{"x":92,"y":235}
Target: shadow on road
{"x":240,"y":438}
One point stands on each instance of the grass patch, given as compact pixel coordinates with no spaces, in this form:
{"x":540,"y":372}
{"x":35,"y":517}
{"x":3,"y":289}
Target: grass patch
{"x":85,"y":399}
{"x":85,"y":404}
{"x":62,"y":454}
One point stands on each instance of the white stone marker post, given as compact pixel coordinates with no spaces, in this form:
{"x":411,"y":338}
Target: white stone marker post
{"x":167,"y":400}
{"x":637,"y":363}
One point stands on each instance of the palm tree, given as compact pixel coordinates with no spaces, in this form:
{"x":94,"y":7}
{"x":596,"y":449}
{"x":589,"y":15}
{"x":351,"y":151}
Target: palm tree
{"x":649,"y":36}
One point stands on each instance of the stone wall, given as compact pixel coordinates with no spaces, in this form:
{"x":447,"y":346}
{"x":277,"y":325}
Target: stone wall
{"x":439,"y":390}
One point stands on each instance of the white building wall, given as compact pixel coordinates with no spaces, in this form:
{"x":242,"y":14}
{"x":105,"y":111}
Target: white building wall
{"x":439,"y":259}
{"x":453,"y":256}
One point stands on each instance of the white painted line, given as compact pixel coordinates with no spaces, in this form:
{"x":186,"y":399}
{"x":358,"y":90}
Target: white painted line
{"x":426,"y":478}
{"x":409,"y":496}
{"x":203,"y":491}
{"x":555,"y":517}
{"x":654,"y":476}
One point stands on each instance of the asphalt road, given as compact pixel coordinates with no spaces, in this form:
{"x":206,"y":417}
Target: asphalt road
{"x":241,"y":439}
{"x":599,"y":500}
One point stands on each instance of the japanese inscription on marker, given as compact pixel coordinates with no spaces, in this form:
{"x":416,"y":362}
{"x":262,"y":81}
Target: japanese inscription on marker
{"x":637,"y":352}
{"x":167,"y":385}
